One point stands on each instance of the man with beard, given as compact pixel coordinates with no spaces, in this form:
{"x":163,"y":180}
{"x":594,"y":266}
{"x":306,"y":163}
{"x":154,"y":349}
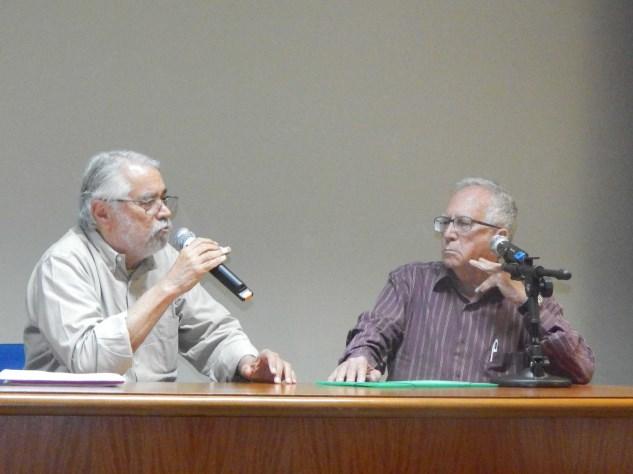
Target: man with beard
{"x":460,"y":318}
{"x":111,"y":296}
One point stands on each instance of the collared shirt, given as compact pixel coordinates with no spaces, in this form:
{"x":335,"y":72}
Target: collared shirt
{"x":422,"y":327}
{"x":77,"y":302}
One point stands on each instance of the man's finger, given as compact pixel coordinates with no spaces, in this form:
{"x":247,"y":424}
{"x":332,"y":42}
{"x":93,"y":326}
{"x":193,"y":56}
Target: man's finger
{"x":288,"y":373}
{"x":374,"y":375}
{"x":488,"y":283}
{"x":342,"y":371}
{"x":350,"y":374}
{"x":332,"y":376}
{"x":361,"y":371}
{"x":486,"y":265}
{"x":278,"y":367}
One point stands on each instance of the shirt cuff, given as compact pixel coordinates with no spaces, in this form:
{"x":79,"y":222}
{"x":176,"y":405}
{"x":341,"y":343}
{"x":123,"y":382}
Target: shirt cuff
{"x":113,"y":347}
{"x":230,"y":356}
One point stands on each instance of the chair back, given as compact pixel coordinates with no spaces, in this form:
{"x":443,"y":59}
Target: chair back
{"x":11,"y":356}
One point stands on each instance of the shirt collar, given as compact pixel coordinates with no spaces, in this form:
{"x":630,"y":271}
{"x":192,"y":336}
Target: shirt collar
{"x":113,"y":259}
{"x":445,"y":281}
{"x":443,"y":278}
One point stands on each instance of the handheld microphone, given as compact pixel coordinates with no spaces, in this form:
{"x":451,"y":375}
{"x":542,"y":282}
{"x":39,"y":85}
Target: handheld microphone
{"x":236,"y":286}
{"x":501,"y":246}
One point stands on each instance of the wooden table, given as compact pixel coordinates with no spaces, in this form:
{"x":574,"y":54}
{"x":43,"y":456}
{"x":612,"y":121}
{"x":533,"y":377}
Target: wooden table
{"x":170,"y":427}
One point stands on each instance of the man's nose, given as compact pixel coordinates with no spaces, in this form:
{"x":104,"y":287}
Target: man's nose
{"x":164,"y":212}
{"x":450,"y":233}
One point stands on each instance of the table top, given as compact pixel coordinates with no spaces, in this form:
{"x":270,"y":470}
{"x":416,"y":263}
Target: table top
{"x":252,"y":399}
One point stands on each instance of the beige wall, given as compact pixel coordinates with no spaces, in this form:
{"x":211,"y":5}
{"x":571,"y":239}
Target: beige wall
{"x":319,"y":139}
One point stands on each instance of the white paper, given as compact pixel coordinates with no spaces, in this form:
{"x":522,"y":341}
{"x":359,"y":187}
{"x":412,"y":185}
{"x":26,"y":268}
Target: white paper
{"x":37,"y":377}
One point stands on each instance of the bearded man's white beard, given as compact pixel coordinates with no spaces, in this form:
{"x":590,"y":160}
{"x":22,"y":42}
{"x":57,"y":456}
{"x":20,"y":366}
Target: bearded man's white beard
{"x":156,"y":240}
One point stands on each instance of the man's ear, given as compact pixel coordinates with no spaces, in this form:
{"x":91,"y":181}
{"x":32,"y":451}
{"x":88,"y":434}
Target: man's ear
{"x":101,"y":212}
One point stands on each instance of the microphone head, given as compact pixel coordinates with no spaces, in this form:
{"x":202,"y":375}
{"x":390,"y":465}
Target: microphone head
{"x":182,"y":237}
{"x":496,"y":241}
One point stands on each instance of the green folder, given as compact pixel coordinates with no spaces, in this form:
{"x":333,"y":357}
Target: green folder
{"x":411,"y":384}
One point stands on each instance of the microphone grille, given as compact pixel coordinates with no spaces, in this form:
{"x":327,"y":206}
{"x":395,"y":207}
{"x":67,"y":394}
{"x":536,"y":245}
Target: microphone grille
{"x":496,"y":241}
{"x":182,"y":237}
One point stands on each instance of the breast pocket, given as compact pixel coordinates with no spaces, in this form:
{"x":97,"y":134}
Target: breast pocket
{"x":166,"y":329}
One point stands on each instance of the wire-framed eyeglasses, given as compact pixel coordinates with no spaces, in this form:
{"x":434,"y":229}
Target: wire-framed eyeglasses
{"x":154,"y":205}
{"x":462,"y":224}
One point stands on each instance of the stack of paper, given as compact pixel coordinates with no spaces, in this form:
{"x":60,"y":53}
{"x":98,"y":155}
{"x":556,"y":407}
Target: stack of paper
{"x":39,"y":377}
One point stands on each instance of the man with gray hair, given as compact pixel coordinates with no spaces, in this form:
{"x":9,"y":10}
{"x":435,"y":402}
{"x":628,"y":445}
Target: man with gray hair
{"x":112,"y":296}
{"x":462,"y":318}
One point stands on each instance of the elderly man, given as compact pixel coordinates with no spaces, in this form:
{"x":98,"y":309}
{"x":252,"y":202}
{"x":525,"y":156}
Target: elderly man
{"x":111,"y":296}
{"x":461,"y":318}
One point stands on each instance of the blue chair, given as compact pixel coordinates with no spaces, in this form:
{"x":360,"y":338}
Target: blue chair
{"x":11,"y":356}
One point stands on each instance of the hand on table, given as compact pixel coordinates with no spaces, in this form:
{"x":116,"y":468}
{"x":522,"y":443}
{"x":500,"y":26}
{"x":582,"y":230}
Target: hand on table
{"x":355,"y":369}
{"x":268,"y":366}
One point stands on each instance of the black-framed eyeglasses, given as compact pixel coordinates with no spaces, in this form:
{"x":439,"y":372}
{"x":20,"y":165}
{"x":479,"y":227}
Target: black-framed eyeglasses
{"x":154,"y":205}
{"x":462,"y":224}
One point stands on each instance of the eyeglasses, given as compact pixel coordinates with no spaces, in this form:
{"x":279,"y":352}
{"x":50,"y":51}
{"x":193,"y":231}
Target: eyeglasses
{"x":154,"y":205}
{"x":462,"y":224}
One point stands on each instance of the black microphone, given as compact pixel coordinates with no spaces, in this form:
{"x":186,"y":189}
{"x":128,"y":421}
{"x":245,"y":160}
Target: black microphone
{"x":501,"y":246}
{"x":236,"y":286}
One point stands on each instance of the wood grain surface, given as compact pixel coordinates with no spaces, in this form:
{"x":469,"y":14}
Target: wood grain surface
{"x":153,"y":428}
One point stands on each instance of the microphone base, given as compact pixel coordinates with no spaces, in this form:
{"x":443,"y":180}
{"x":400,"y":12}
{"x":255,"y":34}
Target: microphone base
{"x":526,"y":378}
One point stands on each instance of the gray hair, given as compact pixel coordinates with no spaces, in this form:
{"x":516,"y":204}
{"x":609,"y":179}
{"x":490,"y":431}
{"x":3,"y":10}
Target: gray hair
{"x":104,"y":179}
{"x":502,"y":210}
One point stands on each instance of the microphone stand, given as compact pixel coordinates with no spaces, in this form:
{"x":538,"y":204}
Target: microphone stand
{"x":534,"y":375}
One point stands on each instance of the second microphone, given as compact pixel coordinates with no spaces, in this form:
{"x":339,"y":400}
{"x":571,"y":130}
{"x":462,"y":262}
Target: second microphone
{"x":236,"y":286}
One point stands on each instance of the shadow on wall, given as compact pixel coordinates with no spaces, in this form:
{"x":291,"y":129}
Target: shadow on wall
{"x":608,"y":196}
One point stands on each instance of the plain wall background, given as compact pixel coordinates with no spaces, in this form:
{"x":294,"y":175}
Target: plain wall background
{"x":319,"y":139}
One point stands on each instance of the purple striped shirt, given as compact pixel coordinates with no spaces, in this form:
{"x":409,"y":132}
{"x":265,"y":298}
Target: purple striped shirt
{"x":422,"y":328}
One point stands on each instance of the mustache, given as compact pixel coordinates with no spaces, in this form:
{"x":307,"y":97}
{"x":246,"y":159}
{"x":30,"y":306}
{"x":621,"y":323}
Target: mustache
{"x":162,"y":224}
